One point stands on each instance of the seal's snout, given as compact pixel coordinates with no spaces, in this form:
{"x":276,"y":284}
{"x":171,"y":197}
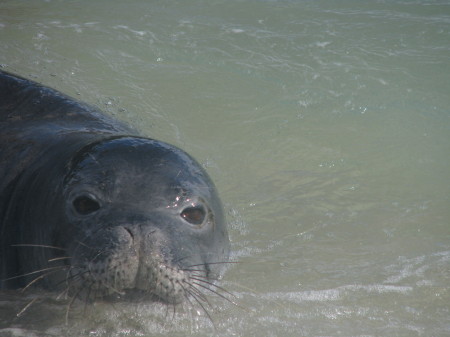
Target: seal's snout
{"x":155,"y":272}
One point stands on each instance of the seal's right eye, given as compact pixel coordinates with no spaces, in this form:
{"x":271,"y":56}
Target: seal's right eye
{"x":85,"y":205}
{"x":194,"y":215}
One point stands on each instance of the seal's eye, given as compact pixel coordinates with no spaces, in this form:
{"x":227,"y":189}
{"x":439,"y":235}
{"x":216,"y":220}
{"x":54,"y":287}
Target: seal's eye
{"x":194,"y":215}
{"x":85,"y":205}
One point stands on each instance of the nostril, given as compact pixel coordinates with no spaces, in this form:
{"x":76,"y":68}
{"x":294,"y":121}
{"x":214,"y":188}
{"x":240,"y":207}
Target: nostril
{"x":129,"y":232}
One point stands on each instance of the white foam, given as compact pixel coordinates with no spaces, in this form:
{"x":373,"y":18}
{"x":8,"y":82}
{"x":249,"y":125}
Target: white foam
{"x":323,"y":44}
{"x":337,"y":293}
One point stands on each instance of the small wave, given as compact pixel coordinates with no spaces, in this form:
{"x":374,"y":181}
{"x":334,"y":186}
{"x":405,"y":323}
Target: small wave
{"x":336,"y":293}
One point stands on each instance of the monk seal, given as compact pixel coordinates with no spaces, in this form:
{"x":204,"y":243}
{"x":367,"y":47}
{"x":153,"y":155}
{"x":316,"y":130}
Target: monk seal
{"x":89,"y":206}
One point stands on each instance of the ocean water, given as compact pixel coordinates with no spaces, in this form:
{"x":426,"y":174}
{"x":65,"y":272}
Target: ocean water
{"x":325,"y":126}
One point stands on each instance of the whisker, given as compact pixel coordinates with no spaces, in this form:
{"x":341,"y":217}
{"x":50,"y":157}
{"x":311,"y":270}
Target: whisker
{"x":99,"y":253}
{"x":245,"y":288}
{"x":203,"y":308}
{"x":208,"y":263}
{"x":20,"y":313}
{"x":194,"y":270}
{"x":203,"y":271}
{"x":33,"y":272}
{"x":35,"y":245}
{"x":113,"y":289}
{"x":60,"y":258}
{"x":192,"y":291}
{"x":186,"y":296}
{"x":38,"y":279}
{"x":204,"y":277}
{"x":217,"y":293}
{"x":70,"y":304}
{"x":63,"y":293}
{"x":200,"y":295}
{"x":214,"y":285}
{"x":83,"y":244}
{"x":70,"y":277}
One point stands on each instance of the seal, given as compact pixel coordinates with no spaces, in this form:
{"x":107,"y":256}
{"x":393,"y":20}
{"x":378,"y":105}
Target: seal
{"x":89,"y":206}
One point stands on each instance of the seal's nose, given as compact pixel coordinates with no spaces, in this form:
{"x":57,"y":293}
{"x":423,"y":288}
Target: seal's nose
{"x":132,"y":235}
{"x":130,"y":232}
{"x":145,"y":238}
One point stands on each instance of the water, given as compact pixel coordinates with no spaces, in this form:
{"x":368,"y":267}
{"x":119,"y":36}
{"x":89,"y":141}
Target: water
{"x":325,"y":125}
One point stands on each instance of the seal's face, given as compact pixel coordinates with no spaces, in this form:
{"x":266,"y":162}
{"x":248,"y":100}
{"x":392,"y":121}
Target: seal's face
{"x":143,"y":217}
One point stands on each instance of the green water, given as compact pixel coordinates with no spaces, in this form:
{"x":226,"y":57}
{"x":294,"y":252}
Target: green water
{"x":325,"y":125}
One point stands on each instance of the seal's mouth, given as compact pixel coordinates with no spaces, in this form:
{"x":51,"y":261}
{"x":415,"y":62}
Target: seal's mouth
{"x":170,"y":286}
{"x":127,"y":262}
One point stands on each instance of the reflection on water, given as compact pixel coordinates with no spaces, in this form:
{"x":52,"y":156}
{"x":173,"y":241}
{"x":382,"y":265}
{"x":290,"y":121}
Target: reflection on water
{"x":325,"y":126}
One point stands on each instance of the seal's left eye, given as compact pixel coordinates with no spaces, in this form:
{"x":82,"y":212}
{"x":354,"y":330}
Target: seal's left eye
{"x":194,"y":215}
{"x":85,"y":205}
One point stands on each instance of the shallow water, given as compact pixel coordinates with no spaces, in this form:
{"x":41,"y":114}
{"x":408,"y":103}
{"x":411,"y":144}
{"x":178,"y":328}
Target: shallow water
{"x":325,"y":125}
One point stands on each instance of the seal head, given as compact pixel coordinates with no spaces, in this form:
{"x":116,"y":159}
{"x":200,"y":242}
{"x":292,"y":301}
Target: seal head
{"x":144,"y":216}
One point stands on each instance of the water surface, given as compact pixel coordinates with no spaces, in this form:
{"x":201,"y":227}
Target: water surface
{"x":325,"y":125}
